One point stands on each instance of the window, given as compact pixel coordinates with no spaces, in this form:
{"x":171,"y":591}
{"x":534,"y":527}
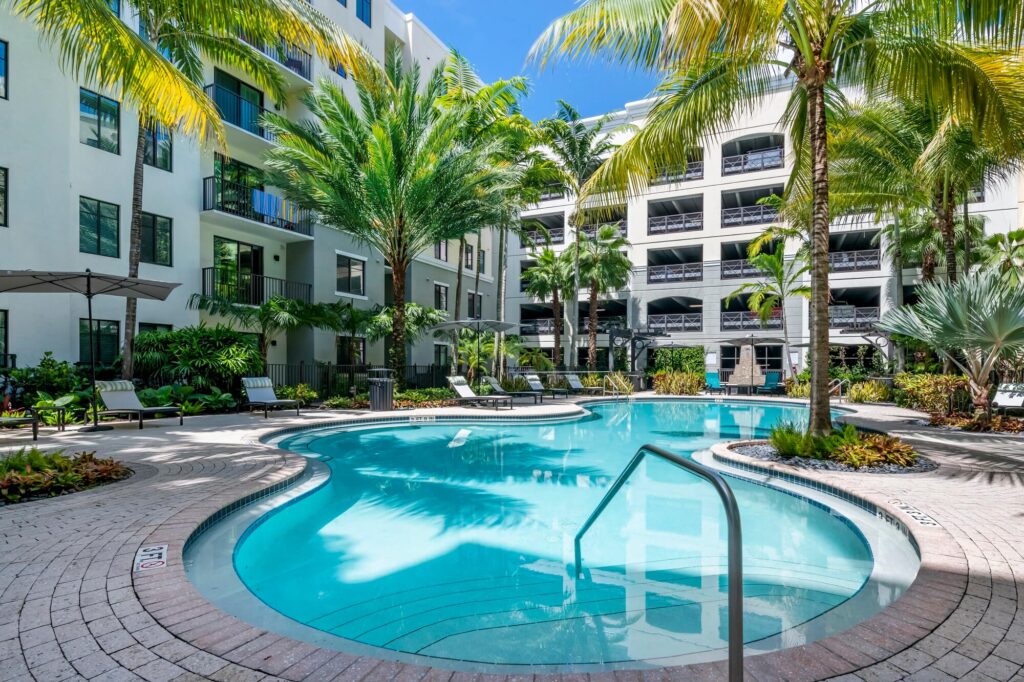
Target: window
{"x":481,"y":262}
{"x":156,"y":327}
{"x":158,"y":148}
{"x":441,"y":296}
{"x":115,"y":6}
{"x":340,"y":70}
{"x":3,"y":339}
{"x":106,"y":340}
{"x":351,"y":350}
{"x":469,"y":257}
{"x":99,"y":121}
{"x":343,"y":3}
{"x":156,"y":239}
{"x":3,"y":197}
{"x":442,"y":358}
{"x":767,"y":357}
{"x":238,"y":271}
{"x":475,"y":306}
{"x":350,"y":275}
{"x":3,"y":69}
{"x":99,"y":228}
{"x":364,"y":10}
{"x":441,"y":251}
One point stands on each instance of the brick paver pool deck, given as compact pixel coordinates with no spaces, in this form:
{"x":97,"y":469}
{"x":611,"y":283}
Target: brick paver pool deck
{"x":71,"y":607}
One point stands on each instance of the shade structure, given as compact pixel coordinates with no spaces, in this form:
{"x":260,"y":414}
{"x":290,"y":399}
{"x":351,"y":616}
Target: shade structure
{"x":478,"y":326}
{"x":752,"y":340}
{"x":88,"y":284}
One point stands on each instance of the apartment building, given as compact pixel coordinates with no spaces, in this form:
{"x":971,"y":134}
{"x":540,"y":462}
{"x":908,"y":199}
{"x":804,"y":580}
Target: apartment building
{"x":210,"y":223}
{"x":689,"y":234}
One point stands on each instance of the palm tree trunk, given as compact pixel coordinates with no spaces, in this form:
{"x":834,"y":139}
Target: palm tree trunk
{"x":499,"y":338}
{"x":944,"y":215}
{"x":572,"y":304}
{"x":397,"y":359}
{"x":476,"y":280}
{"x":592,"y":332}
{"x":967,"y":237}
{"x":556,"y":308}
{"x":134,"y":254}
{"x":458,"y":303}
{"x":897,"y":267}
{"x":821,"y":418}
{"x":928,"y":266}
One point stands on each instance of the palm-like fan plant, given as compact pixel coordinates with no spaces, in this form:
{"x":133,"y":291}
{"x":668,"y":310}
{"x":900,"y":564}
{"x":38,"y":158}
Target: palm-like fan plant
{"x":551,"y":278}
{"x":1005,"y":252}
{"x":720,"y":57}
{"x":604,"y":267}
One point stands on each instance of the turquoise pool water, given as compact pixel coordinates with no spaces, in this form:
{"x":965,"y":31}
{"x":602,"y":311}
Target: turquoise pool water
{"x":454,"y":541}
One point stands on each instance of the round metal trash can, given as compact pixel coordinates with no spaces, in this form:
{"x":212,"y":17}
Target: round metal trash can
{"x":382,"y":390}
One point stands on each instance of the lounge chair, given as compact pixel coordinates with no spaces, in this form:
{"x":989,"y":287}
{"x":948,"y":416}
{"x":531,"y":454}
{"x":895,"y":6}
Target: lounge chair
{"x":714,"y":384}
{"x":465,"y":394}
{"x":259,"y":392}
{"x":498,"y":390}
{"x":30,"y":418}
{"x":119,"y":399}
{"x":576,"y":386}
{"x":1009,"y":397}
{"x":535,"y":385}
{"x":772,"y":383}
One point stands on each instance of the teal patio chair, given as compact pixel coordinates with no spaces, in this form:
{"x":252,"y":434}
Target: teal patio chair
{"x":772,"y":383}
{"x":714,"y":384}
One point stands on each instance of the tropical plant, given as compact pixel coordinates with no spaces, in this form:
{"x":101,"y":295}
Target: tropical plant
{"x":1005,"y":252}
{"x":579,"y":148}
{"x":720,"y":59}
{"x":31,"y":472}
{"x":678,"y":383}
{"x":781,"y":280}
{"x":973,"y":322}
{"x":304,"y":393}
{"x":551,"y":278}
{"x":51,"y":376}
{"x":931,"y":393}
{"x":397,"y":174}
{"x":603,"y":267}
{"x":688,"y":359}
{"x":201,"y":357}
{"x":869,"y":392}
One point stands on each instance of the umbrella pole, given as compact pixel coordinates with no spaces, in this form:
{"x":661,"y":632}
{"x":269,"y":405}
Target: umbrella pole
{"x":92,"y":360}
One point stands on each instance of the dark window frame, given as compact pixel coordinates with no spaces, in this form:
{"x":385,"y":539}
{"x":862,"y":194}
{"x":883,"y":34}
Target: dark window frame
{"x":5,"y":71}
{"x":154,"y":134}
{"x":5,"y":328}
{"x":474,"y":305}
{"x":447,"y":353}
{"x":364,"y":11}
{"x":99,"y":242}
{"x":159,"y":327}
{"x":338,"y":257}
{"x":441,"y":250}
{"x":98,"y":325}
{"x":143,"y":256}
{"x":83,"y":92}
{"x":345,"y":358}
{"x":468,"y":264}
{"x":481,"y":261}
{"x":5,"y":191}
{"x":441,"y":296}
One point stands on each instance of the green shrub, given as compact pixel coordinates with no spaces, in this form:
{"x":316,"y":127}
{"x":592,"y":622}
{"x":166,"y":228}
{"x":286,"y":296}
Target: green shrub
{"x":678,"y":383}
{"x":791,"y":441}
{"x":516,"y":383}
{"x":621,"y":382}
{"x":30,"y":472}
{"x":875,"y":450}
{"x":929,"y":393}
{"x":788,"y":440}
{"x":869,"y":392}
{"x":51,"y":377}
{"x":689,"y":359}
{"x":339,"y":402}
{"x":798,"y":389}
{"x":201,"y":357}
{"x":301,"y":392}
{"x":592,"y":380}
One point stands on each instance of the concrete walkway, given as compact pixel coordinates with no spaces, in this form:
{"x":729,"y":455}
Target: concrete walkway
{"x":71,"y":607}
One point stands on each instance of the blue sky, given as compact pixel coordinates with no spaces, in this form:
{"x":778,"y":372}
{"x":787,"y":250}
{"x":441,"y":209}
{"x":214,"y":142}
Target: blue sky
{"x":495,"y":35}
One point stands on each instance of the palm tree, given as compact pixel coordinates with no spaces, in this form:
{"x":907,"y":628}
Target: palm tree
{"x":782,"y":280}
{"x":270,"y":319}
{"x":579,"y":149}
{"x":551,"y":278}
{"x":1005,"y":252}
{"x":604,"y":267}
{"x":720,"y":57}
{"x":397,"y":174}
{"x":972,"y":323}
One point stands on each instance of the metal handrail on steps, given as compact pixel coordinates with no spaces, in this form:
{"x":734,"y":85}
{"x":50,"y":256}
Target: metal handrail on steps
{"x":735,"y":550}
{"x":836,"y":386}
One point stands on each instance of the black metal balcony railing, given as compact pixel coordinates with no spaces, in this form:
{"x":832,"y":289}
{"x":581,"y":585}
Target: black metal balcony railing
{"x":694,"y":170}
{"x":761,"y":159}
{"x":591,"y":230}
{"x":250,"y":289}
{"x":852,"y":317}
{"x":603,"y":324}
{"x":536,"y":237}
{"x":738,"y":269}
{"x":294,"y":59}
{"x":745,"y":320}
{"x":255,"y":204}
{"x":680,"y":222}
{"x":676,"y":322}
{"x":748,"y":215}
{"x":552,"y":192}
{"x":849,"y":261}
{"x":8,"y":360}
{"x":535,"y":327}
{"x":676,"y":272}
{"x":239,"y":111}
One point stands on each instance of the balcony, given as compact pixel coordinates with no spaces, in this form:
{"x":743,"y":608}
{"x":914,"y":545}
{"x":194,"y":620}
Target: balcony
{"x":239,"y":112}
{"x":249,"y":289}
{"x":254,"y":204}
{"x":750,"y":162}
{"x":537,"y":238}
{"x":680,"y":222}
{"x":739,"y":269}
{"x":747,"y":321}
{"x":852,"y":261}
{"x":677,"y":272}
{"x":294,"y":59}
{"x":852,"y":317}
{"x":603,"y":324}
{"x":694,"y":171}
{"x":677,"y":322}
{"x":536,"y":327}
{"x":552,"y":192}
{"x":748,"y":215}
{"x":591,"y":230}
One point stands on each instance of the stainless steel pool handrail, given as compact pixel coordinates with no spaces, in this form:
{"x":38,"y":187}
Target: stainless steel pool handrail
{"x":735,"y":549}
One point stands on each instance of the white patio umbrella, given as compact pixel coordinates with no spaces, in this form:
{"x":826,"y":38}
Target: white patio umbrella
{"x":479,"y":326}
{"x":88,"y":284}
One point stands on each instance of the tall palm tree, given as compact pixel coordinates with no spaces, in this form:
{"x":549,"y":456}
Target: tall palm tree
{"x":1005,"y":252}
{"x":398,"y":174}
{"x":551,"y":278}
{"x":782,"y":279}
{"x":720,"y":57}
{"x":579,"y":148}
{"x":604,"y":267}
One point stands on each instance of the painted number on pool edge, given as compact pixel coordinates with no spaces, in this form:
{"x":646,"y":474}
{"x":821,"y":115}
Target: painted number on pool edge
{"x":913,"y":512}
{"x":151,"y":556}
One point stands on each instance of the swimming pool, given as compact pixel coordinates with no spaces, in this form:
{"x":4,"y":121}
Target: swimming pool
{"x":453,"y":541}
